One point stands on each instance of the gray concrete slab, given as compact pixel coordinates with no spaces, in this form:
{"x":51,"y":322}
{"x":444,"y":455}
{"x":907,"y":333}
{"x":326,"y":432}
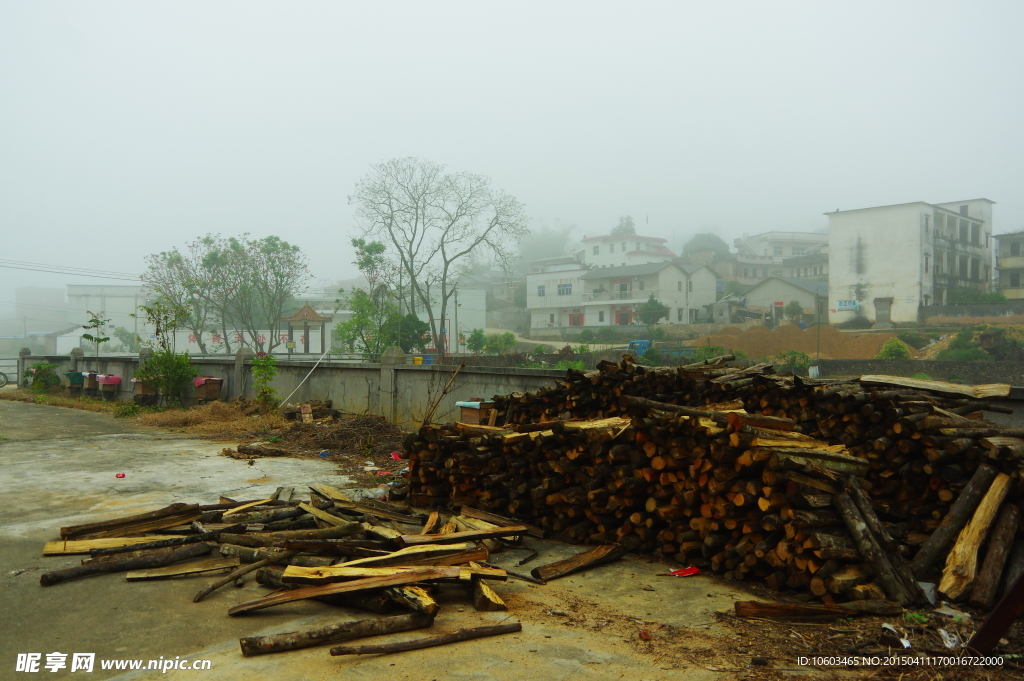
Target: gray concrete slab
{"x":59,"y":468}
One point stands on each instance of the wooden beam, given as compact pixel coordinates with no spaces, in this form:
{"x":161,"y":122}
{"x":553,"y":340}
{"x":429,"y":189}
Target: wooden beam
{"x":581,"y":561}
{"x":101,"y":529}
{"x":411,"y":577}
{"x":973,"y":391}
{"x":411,"y":539}
{"x":187,"y":569}
{"x":68,"y":548}
{"x":333,"y":633}
{"x":454,"y":637}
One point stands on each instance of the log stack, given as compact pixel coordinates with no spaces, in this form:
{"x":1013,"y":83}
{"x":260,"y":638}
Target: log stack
{"x":750,"y":474}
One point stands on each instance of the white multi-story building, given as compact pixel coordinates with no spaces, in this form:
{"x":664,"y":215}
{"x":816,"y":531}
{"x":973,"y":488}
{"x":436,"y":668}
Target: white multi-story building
{"x":609,"y":296}
{"x":889,"y":261}
{"x":621,"y":251}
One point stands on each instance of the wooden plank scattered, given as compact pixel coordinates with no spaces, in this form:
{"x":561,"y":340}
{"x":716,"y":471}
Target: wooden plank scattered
{"x":454,"y":637}
{"x":68,"y":548}
{"x":581,"y":561}
{"x":411,"y":539}
{"x":974,"y":391}
{"x":103,"y":528}
{"x":125,"y":564}
{"x":402,"y":579}
{"x":189,"y":569}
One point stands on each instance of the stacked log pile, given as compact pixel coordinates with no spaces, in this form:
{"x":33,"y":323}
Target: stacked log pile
{"x":752,"y":475}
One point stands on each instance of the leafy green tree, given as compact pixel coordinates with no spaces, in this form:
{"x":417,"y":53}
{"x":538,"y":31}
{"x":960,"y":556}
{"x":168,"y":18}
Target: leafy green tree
{"x":707,"y":242}
{"x":264,"y":370}
{"x":606,"y":335}
{"x":374,"y":321}
{"x":586,"y":336}
{"x":413,"y":333}
{"x":477,"y":341}
{"x":893,"y":348}
{"x":625,"y":227}
{"x":793,"y":309}
{"x":128,"y":339}
{"x":166,"y":371}
{"x":651,"y":312}
{"x":654,"y":357}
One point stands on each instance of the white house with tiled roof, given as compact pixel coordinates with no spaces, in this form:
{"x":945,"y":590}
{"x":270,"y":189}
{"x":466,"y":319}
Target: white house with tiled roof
{"x":625,"y":250}
{"x":605,"y":296}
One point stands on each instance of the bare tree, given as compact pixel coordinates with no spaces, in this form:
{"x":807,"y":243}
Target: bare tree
{"x":439,"y":224}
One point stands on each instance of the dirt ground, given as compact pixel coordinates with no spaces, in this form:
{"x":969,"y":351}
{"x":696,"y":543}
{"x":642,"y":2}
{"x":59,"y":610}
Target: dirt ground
{"x":761,"y":342}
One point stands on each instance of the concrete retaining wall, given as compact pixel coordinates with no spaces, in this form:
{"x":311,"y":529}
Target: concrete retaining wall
{"x":401,"y":392}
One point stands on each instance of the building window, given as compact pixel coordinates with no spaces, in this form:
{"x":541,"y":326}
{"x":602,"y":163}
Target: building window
{"x":1014,"y":248}
{"x":611,"y":248}
{"x":689,"y":285}
{"x":963,"y":231}
{"x":776,"y":273}
{"x":540,"y":291}
{"x":679,"y":286}
{"x":679,"y":314}
{"x":927,"y":260}
{"x":926,"y":218}
{"x":597,"y":250}
{"x":600,"y":316}
{"x":641,"y":284}
{"x":976,"y":235}
{"x":777,"y":250}
{"x":1015,"y":280}
{"x":623,"y":246}
{"x":551,"y":318}
{"x":565,"y":289}
{"x":799,"y":250}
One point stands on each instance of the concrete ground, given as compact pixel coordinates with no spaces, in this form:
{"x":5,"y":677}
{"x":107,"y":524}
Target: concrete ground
{"x":59,"y":468}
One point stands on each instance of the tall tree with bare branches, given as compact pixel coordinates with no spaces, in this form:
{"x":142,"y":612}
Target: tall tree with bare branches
{"x":438,"y":225}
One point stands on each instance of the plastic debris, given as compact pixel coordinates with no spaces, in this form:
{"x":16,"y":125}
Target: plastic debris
{"x":645,"y":634}
{"x":891,"y":637}
{"x":119,"y":475}
{"x":683,"y":572}
{"x":949,"y":640}
{"x":949,"y":611}
{"x":324,"y":454}
{"x":396,"y":456}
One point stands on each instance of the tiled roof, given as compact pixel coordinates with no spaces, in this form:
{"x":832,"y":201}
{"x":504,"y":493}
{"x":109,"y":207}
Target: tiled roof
{"x":306,"y":314}
{"x":627,"y":271}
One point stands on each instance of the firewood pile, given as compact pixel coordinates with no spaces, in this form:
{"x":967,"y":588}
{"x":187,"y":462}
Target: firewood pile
{"x":362,"y":554}
{"x":850,"y":491}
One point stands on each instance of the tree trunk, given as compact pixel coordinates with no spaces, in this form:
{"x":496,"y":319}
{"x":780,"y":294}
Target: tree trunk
{"x":333,"y":633}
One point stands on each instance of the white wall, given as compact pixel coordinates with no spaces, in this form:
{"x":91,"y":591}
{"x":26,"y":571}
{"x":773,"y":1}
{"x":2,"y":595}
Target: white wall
{"x":765,"y":295}
{"x":877,"y":253}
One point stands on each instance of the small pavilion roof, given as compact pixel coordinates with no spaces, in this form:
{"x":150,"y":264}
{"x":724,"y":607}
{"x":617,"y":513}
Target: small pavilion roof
{"x":306,"y":314}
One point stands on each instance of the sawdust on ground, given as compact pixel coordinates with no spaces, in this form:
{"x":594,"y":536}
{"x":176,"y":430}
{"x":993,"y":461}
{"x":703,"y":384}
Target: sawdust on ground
{"x":761,"y":342}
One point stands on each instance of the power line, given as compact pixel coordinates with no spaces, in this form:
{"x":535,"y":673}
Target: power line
{"x":58,"y":269}
{"x":67,"y":267}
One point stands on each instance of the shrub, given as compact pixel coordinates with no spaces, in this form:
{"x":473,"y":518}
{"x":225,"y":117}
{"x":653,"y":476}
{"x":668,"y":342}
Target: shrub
{"x":858,"y":322}
{"x":167,"y":372}
{"x":127,"y":410}
{"x":740,"y":355}
{"x":653,"y":357}
{"x":964,"y":355}
{"x":541,"y":349}
{"x":582,"y":349}
{"x":704,"y":352}
{"x":44,"y":375}
{"x":566,"y":364}
{"x":913,"y":339}
{"x":606,"y":335}
{"x":893,"y":348}
{"x":476,"y":341}
{"x":793,"y":361}
{"x":586,"y":336}
{"x":962,"y":295}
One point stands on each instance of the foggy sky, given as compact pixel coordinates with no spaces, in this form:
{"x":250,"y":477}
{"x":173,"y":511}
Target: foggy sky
{"x":128,"y":128}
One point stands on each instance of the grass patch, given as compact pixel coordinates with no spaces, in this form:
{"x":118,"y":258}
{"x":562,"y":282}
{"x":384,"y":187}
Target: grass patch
{"x":51,"y":400}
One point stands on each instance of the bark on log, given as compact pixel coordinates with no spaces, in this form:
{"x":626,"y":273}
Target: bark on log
{"x":415,"y":598}
{"x":239,"y":572}
{"x":333,"y":633}
{"x":869,"y":548}
{"x":953,"y":522}
{"x":454,"y":637}
{"x":986,"y":586}
{"x":581,"y":561}
{"x":141,"y":563}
